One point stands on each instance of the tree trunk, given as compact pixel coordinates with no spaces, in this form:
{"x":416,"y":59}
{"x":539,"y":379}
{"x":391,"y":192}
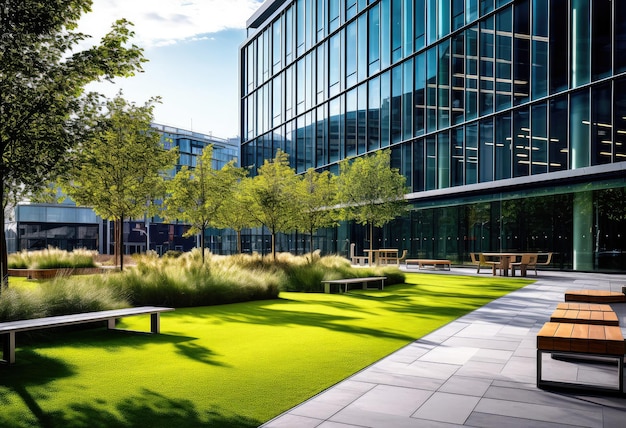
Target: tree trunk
{"x":202,"y":229}
{"x":371,"y":236}
{"x":4,"y":258}
{"x":239,"y":241}
{"x":120,"y":241}
{"x":274,"y":244}
{"x":311,"y":240}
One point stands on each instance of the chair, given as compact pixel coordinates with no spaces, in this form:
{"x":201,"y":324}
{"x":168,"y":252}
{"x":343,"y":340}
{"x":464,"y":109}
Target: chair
{"x":479,"y":260}
{"x":546,"y":262}
{"x":527,"y":260}
{"x":402,"y":258}
{"x":357,"y":260}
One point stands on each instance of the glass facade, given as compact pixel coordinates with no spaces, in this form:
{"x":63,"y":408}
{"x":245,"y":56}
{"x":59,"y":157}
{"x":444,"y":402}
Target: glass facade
{"x":515,"y":103}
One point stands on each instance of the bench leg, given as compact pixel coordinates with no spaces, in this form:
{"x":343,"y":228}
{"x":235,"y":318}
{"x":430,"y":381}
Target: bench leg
{"x":8,"y":347}
{"x":155,"y":322}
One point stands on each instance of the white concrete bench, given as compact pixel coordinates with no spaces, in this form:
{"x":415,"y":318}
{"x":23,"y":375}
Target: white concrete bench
{"x":345,"y":282}
{"x":9,"y":328}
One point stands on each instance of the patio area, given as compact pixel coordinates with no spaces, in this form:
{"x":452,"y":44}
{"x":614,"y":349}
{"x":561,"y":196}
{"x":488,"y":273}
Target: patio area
{"x":479,"y":371}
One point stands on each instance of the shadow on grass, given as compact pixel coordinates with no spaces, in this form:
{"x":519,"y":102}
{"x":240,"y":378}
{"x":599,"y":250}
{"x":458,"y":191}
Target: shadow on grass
{"x":112,"y":341}
{"x":150,"y":409}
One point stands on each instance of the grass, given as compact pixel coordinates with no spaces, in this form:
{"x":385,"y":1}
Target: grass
{"x":234,"y":365}
{"x":52,"y":258}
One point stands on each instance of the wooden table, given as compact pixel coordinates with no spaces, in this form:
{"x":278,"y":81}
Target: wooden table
{"x":504,"y":259}
{"x":382,"y":256}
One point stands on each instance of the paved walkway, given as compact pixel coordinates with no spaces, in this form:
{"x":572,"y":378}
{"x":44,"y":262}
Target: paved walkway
{"x":478,"y":371}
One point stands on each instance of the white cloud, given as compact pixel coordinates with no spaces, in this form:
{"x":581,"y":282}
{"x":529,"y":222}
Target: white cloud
{"x":165,"y":22}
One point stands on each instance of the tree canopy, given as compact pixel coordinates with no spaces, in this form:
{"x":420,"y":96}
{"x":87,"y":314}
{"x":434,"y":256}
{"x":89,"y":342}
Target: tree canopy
{"x":44,"y":111}
{"x":370,"y":192}
{"x":316,"y":197}
{"x":120,"y":170}
{"x":196,"y":195}
{"x":272,"y":196}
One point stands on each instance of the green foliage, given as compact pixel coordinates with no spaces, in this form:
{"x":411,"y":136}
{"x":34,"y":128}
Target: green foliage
{"x":172,"y":254}
{"x":370,"y":191}
{"x":45,"y":112}
{"x":272,"y":196}
{"x":316,"y":196}
{"x":53,"y":258}
{"x":61,"y":296}
{"x":196,"y":195}
{"x":119,"y":172}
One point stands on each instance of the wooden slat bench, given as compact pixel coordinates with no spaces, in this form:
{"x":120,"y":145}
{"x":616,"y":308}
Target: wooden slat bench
{"x":577,"y":316}
{"x":435,"y":263}
{"x":594,"y":296}
{"x":584,"y":306}
{"x":580,"y":340}
{"x":346,"y":282}
{"x":8,"y":329}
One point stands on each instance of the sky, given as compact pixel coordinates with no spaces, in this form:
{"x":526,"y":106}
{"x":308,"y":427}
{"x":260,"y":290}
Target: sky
{"x":193,"y":51}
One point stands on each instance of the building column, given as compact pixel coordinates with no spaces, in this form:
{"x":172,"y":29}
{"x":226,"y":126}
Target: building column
{"x":583,"y":231}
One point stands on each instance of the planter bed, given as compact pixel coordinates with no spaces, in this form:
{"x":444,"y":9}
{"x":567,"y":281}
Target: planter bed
{"x":52,"y":273}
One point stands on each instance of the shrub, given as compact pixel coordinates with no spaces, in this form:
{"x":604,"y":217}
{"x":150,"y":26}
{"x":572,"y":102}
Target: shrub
{"x":61,"y":296}
{"x":52,"y":258}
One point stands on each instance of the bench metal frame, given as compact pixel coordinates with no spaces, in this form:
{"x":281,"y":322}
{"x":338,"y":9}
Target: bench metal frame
{"x":8,"y":329}
{"x":347,"y":281}
{"x":542,"y":383}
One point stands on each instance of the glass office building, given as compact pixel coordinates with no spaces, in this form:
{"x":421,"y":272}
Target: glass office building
{"x":507,"y":118}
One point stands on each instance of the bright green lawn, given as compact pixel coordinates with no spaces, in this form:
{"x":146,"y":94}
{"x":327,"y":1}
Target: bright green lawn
{"x":226,"y":366}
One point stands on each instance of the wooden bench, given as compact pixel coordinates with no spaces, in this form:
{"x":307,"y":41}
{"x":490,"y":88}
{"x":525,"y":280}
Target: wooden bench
{"x":578,"y":316}
{"x":584,"y":306}
{"x":8,"y":329}
{"x":594,"y":296}
{"x":580,"y":340}
{"x":346,"y":282}
{"x":421,"y":263}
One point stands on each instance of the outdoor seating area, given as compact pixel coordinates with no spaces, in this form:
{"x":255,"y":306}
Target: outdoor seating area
{"x":379,"y":257}
{"x":505,"y":262}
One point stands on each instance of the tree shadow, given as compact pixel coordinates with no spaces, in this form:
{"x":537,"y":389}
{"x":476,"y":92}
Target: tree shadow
{"x":149,"y":409}
{"x":113,"y":341}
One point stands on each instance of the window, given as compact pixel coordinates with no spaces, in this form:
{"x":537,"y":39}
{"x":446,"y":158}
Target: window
{"x":619,"y":120}
{"x":419,"y":95}
{"x":601,"y":125}
{"x":471,"y":153}
{"x":502,"y":146}
{"x":407,"y":100}
{"x":581,"y":49}
{"x":457,"y":161}
{"x":539,"y":139}
{"x":559,"y":69}
{"x":504,"y":59}
{"x":521,"y":48}
{"x":486,"y":154}
{"x":579,"y":129}
{"x":374,"y":39}
{"x":521,"y":142}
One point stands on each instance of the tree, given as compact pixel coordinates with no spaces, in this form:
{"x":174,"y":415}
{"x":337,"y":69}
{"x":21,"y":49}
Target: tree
{"x":120,"y":170}
{"x":43,"y":108}
{"x":370,"y":191}
{"x":196,"y":195}
{"x":272,"y":196}
{"x":234,"y":212}
{"x":316,"y":196}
